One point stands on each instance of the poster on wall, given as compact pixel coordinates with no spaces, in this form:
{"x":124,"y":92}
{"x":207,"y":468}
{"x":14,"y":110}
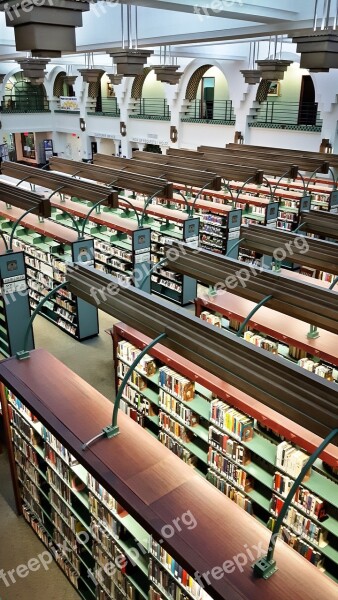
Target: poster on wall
{"x":48,"y":149}
{"x":69,"y":103}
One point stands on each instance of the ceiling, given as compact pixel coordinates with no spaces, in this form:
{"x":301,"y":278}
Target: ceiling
{"x":214,"y":29}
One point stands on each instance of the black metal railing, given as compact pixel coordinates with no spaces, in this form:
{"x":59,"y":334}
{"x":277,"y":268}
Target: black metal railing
{"x":106,"y":106}
{"x":213,"y":110}
{"x":288,"y":114}
{"x":154,"y":108}
{"x":25,"y":103}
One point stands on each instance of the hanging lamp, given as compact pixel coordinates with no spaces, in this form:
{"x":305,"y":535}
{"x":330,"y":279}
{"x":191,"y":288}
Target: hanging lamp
{"x":34,"y":69}
{"x":129,"y":60}
{"x":252,"y":76}
{"x":45,"y":28}
{"x":274,"y":69}
{"x":319,"y":47}
{"x":167,"y":73}
{"x":91,"y":74}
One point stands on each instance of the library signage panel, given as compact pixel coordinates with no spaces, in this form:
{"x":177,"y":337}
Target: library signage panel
{"x":333,"y":202}
{"x":141,"y":250}
{"x":87,"y":314}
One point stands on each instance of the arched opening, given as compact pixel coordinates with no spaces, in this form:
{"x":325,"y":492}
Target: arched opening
{"x":208,"y":95}
{"x":21,"y":96}
{"x":106,"y":101}
{"x":289,"y":103}
{"x":150,"y":97}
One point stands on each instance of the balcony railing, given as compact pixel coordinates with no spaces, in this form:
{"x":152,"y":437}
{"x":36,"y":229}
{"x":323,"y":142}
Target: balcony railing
{"x":106,"y":107}
{"x":288,"y":115}
{"x":24,"y":103}
{"x":216,"y":111}
{"x":151,"y":108}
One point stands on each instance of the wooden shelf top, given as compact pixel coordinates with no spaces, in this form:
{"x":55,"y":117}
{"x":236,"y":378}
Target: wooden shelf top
{"x":284,"y":328}
{"x":269,"y":417}
{"x":47,"y":228}
{"x":305,"y":278}
{"x":263,"y":190}
{"x":156,"y":487}
{"x":104,"y":218}
{"x":156,"y":210}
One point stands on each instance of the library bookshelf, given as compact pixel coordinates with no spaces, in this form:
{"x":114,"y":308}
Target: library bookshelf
{"x":47,"y":247}
{"x":282,"y":334}
{"x":51,"y":412}
{"x":243,"y":464}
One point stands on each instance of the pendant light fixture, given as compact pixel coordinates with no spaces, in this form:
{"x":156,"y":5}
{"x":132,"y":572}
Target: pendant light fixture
{"x":251,"y":75}
{"x":46,"y":29}
{"x":34,"y":69}
{"x":274,"y":69}
{"x":69,"y":78}
{"x":129,"y":60}
{"x":167,"y":71}
{"x":319,"y":47}
{"x":90,"y":74}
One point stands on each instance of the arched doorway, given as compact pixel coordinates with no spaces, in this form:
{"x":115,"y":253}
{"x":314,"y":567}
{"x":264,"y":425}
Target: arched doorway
{"x":308,"y":107}
{"x":208,"y":93}
{"x":150,"y":97}
{"x":21,"y":96}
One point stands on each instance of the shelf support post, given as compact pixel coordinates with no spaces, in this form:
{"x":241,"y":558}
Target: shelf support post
{"x":251,"y":314}
{"x":266,"y":565}
{"x":333,"y":283}
{"x":313,"y":333}
{"x":63,"y":210}
{"x":24,"y":353}
{"x":113,"y":429}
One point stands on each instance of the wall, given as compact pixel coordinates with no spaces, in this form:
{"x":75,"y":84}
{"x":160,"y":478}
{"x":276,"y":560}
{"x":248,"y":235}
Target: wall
{"x":221,"y":91}
{"x":153,"y":88}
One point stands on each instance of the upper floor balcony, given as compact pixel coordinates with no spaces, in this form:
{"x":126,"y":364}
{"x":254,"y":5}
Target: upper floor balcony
{"x":217,"y":112}
{"x":151,"y":108}
{"x":24,"y":103}
{"x":287,"y":115}
{"x":105,"y":107}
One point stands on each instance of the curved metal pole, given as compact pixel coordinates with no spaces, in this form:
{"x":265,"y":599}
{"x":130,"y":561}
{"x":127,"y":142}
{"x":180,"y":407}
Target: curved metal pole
{"x":243,"y":186}
{"x":315,"y":173}
{"x":81,"y":236}
{"x":299,"y":227}
{"x":23,"y":353}
{"x":113,"y":429}
{"x":333,"y":283}
{"x":147,"y":202}
{"x":234,"y":245}
{"x":251,"y":314}
{"x":24,"y":179}
{"x":16,"y":224}
{"x":151,"y":270}
{"x":277,"y":184}
{"x":4,"y":239}
{"x":270,"y":186}
{"x":229,"y":190}
{"x":333,"y":178}
{"x":303,"y":182}
{"x":192,"y":207}
{"x":134,"y":209}
{"x":289,"y":497}
{"x":184,"y":198}
{"x":65,"y":211}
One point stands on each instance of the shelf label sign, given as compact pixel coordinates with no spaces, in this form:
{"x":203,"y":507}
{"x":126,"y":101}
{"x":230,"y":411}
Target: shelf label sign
{"x":271,"y":215}
{"x":334,"y":201}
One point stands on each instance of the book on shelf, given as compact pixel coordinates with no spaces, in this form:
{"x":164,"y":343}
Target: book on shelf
{"x":299,"y":544}
{"x":230,"y":470}
{"x":230,"y":419}
{"x":224,"y":443}
{"x":211,"y":318}
{"x":291,"y":459}
{"x":176,"y":384}
{"x":177,"y":448}
{"x":174,"y":406}
{"x":129,"y":353}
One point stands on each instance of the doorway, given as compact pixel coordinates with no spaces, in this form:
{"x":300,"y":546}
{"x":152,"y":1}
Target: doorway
{"x":307,"y":113}
{"x":207,"y":98}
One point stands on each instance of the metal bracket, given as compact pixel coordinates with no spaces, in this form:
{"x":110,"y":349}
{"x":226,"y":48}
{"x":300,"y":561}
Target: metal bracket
{"x":264,"y":568}
{"x":313,"y":334}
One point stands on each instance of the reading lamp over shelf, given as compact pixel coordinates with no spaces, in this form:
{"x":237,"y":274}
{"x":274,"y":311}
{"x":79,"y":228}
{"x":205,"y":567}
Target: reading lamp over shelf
{"x":113,"y":429}
{"x":266,"y":566}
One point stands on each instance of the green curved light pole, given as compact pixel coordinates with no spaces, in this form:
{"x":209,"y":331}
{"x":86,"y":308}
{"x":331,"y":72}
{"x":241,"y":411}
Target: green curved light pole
{"x":151,"y":270}
{"x":243,"y":186}
{"x":192,"y":207}
{"x":15,"y":226}
{"x":25,"y":179}
{"x":24,"y":353}
{"x":65,"y":211}
{"x":134,"y":209}
{"x":333,"y":283}
{"x":266,"y":565}
{"x":113,"y":429}
{"x":146,"y":204}
{"x":4,"y":240}
{"x":278,"y":182}
{"x":252,"y":313}
{"x":234,"y":245}
{"x":315,"y":173}
{"x":184,"y":198}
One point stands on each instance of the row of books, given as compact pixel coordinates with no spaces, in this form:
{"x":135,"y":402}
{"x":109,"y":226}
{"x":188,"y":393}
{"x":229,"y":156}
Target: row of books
{"x":128,"y":352}
{"x":28,"y":484}
{"x":299,"y":544}
{"x":230,"y":470}
{"x":174,"y":383}
{"x":176,"y":408}
{"x":25,"y":448}
{"x":132,"y":413}
{"x":306,"y":500}
{"x":317,"y":368}
{"x":230,"y":491}
{"x":170,"y":587}
{"x":288,"y":216}
{"x":299,"y":523}
{"x":211,"y":318}
{"x":177,"y":448}
{"x":261,"y":342}
{"x":104,"y":516}
{"x":290,"y":459}
{"x":136,"y":399}
{"x":107,"y":499}
{"x":59,"y":485}
{"x":230,"y":419}
{"x":229,"y":446}
{"x":171,"y":285}
{"x":175,"y":428}
{"x":27,"y":467}
{"x":53,"y":459}
{"x":135,"y":378}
